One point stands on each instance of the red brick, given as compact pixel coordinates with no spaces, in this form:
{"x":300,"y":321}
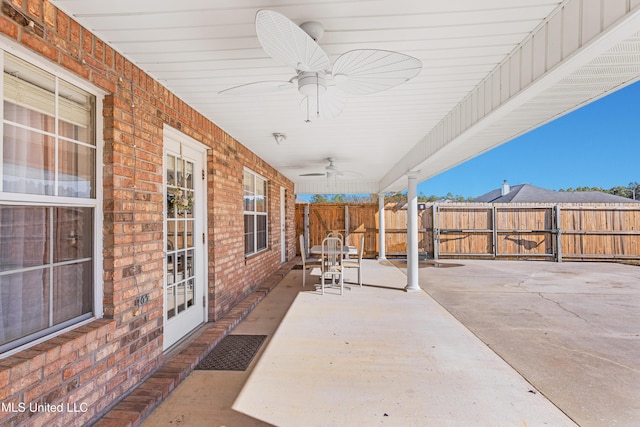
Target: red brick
{"x":76,"y":368}
{"x":33,"y":8}
{"x":8,"y":27}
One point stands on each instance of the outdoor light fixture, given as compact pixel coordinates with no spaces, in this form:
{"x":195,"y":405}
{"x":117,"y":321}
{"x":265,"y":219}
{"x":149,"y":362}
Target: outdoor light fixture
{"x":312,"y":84}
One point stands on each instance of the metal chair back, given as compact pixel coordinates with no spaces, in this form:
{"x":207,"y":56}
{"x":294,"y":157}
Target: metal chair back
{"x":332,"y":255}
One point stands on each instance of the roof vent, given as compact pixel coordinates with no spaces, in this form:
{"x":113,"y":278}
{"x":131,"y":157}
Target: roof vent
{"x":505,"y":188}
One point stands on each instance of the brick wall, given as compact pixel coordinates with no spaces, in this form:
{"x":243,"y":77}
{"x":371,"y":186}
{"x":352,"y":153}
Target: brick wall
{"x":96,"y":364}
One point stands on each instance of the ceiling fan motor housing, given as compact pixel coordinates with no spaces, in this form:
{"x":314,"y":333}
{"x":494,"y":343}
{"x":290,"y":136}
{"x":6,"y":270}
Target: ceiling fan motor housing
{"x":314,"y":29}
{"x":311,"y":83}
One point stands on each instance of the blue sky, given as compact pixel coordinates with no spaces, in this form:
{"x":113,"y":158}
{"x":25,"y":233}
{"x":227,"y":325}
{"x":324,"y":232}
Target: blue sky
{"x":595,"y":146}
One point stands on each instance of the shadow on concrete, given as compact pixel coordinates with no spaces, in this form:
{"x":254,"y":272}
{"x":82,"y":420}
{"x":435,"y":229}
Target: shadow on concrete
{"x":402,"y":263}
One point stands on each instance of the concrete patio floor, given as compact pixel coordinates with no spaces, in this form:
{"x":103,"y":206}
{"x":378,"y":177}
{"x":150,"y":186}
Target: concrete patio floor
{"x":571,"y":329}
{"x":561,"y":340}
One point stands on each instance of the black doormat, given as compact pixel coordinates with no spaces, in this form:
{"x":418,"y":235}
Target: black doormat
{"x":233,"y":353}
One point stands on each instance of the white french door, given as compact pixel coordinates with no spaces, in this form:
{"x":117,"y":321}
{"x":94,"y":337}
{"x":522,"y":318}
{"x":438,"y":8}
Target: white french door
{"x":185,"y":219}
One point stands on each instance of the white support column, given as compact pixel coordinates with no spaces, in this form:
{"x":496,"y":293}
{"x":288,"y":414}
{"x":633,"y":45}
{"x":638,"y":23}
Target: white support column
{"x":382,"y":254}
{"x":412,"y":234}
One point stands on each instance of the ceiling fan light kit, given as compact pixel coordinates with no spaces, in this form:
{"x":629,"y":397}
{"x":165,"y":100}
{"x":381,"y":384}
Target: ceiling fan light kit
{"x":357,"y":72}
{"x":312,"y":83}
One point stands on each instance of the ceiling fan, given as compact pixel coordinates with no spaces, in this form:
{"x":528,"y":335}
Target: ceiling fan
{"x":324,"y":91}
{"x":329,"y":171}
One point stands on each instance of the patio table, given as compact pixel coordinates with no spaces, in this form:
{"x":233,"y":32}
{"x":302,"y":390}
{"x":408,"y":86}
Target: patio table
{"x":317,"y":250}
{"x":346,"y":250}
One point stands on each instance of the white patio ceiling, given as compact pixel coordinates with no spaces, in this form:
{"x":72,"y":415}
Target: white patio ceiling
{"x":492,"y":70}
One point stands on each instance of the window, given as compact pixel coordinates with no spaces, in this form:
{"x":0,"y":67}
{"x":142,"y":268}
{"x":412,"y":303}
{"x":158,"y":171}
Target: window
{"x":47,"y":204}
{"x":255,"y":213}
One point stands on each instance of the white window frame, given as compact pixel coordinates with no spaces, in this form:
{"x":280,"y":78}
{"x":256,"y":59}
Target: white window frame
{"x":95,"y":203}
{"x":255,"y":214}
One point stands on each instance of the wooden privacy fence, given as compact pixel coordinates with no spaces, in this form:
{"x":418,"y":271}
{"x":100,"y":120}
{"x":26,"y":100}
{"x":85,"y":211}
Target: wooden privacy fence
{"x":483,"y":230}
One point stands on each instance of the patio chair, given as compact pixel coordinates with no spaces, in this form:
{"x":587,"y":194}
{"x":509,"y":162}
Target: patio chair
{"x":336,"y":234}
{"x":332,"y":262}
{"x":339,"y":235}
{"x":352,"y":263}
{"x":307,"y":261}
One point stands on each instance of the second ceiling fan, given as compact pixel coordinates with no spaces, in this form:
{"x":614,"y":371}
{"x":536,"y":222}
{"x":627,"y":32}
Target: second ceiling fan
{"x":324,"y":90}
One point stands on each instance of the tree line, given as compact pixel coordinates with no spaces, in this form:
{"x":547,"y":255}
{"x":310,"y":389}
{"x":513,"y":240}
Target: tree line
{"x":373,"y":198}
{"x":631,"y":191}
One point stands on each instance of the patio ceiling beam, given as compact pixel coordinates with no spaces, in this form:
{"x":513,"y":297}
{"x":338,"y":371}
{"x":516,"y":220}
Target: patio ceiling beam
{"x":581,"y":52}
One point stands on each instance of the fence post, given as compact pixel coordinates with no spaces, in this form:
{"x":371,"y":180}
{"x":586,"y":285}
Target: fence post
{"x":382,"y":250}
{"x":494,"y":227}
{"x":436,"y":232}
{"x":558,"y":235}
{"x":346,"y":227}
{"x":306,"y":229}
{"x":346,"y":224}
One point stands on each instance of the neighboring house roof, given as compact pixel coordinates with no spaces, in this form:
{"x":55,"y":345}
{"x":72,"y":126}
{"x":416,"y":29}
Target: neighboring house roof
{"x":526,"y":193}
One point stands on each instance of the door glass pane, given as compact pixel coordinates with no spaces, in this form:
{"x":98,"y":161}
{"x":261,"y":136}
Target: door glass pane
{"x":189,"y":224}
{"x":181,"y":297}
{"x":171,"y":269}
{"x":179,"y":176}
{"x":189,"y":175}
{"x":171,"y":301}
{"x":171,"y":235}
{"x":190,"y":203}
{"x":180,"y":234}
{"x":189,"y":271}
{"x":180,"y":267}
{"x":171,"y":170}
{"x":189,"y":296}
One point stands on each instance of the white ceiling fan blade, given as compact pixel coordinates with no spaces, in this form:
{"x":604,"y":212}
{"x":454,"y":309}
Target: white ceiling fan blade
{"x":257,"y":88}
{"x":331,"y":104}
{"x":367,"y":71}
{"x":313,"y":174}
{"x":350,"y":174}
{"x":284,"y":40}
